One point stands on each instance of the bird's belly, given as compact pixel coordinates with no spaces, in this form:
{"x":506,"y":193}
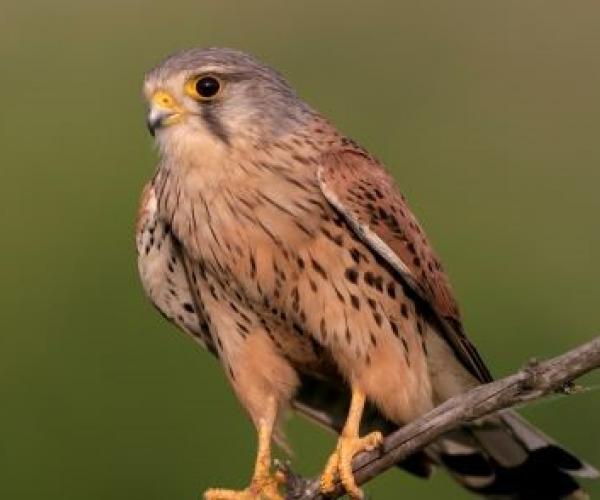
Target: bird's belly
{"x":320,"y":290}
{"x":164,"y":279}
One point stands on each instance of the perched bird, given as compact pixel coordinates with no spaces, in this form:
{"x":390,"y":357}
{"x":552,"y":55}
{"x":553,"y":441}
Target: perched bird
{"x":287,"y":250}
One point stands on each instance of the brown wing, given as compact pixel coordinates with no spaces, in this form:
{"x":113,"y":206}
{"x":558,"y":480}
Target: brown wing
{"x":365,"y":194}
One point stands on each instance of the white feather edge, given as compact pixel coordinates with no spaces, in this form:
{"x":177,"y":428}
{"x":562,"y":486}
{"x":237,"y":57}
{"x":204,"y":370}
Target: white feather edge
{"x":367,"y":235}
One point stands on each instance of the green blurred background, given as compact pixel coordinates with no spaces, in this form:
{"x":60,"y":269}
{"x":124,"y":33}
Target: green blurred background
{"x":487,"y":112}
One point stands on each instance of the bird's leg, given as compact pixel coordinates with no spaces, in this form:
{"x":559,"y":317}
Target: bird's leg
{"x":264,"y":485}
{"x":348,"y":445}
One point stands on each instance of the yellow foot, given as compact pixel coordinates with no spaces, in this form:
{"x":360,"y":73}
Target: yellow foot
{"x":265,"y":488}
{"x":340,"y":462}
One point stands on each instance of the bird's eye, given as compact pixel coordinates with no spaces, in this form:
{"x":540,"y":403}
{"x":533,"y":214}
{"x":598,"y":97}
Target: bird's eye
{"x":203,"y":88}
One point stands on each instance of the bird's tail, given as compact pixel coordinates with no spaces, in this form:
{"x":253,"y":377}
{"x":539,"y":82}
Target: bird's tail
{"x":505,"y":457}
{"x":501,"y":456}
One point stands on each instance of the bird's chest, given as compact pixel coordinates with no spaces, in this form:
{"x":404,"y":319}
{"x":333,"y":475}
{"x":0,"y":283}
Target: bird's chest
{"x":248,"y":234}
{"x":259,"y":252}
{"x":263,"y":261}
{"x":164,"y":279}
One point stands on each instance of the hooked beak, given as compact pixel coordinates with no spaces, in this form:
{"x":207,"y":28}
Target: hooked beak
{"x":164,"y":111}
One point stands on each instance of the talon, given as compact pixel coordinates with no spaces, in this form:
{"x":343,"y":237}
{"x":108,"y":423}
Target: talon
{"x":327,"y":483}
{"x":280,"y":477}
{"x":263,"y":488}
{"x":349,"y":445}
{"x":340,"y":463}
{"x":221,"y":494}
{"x":264,"y":484}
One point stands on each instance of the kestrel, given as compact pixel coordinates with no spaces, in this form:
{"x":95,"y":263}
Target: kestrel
{"x":287,"y":250}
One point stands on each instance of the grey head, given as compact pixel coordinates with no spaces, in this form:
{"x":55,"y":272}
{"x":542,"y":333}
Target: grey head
{"x":222,"y":92}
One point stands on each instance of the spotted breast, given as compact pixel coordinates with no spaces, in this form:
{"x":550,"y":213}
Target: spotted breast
{"x":162,"y":271}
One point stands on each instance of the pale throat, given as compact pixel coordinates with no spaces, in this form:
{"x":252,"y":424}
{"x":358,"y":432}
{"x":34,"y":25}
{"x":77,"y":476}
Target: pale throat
{"x":198,"y":163}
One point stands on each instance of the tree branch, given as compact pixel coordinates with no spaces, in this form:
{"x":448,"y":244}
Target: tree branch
{"x":534,"y":381}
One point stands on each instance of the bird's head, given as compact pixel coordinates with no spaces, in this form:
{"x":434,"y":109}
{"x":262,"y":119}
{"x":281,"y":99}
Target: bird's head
{"x":219,"y":96}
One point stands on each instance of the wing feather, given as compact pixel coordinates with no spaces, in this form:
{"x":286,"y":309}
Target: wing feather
{"x":365,"y":194}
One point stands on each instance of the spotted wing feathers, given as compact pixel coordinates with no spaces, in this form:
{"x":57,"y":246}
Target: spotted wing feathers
{"x":365,"y":194}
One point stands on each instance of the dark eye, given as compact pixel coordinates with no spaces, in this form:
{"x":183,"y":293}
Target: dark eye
{"x":207,"y":87}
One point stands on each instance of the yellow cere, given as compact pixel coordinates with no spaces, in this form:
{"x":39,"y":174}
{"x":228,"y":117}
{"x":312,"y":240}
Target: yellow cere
{"x":163,"y":99}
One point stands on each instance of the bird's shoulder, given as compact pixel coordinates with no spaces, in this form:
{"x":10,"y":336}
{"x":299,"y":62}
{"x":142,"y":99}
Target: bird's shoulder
{"x":359,"y":187}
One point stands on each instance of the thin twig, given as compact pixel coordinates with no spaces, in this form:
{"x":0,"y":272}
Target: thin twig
{"x":536,"y":380}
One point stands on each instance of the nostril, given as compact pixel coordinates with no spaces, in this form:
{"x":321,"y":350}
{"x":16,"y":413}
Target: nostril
{"x":163,"y":99}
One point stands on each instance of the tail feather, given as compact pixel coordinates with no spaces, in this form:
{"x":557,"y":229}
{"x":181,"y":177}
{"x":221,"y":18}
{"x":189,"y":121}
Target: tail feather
{"x":501,"y":456}
{"x":535,"y":439}
{"x":505,"y":457}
